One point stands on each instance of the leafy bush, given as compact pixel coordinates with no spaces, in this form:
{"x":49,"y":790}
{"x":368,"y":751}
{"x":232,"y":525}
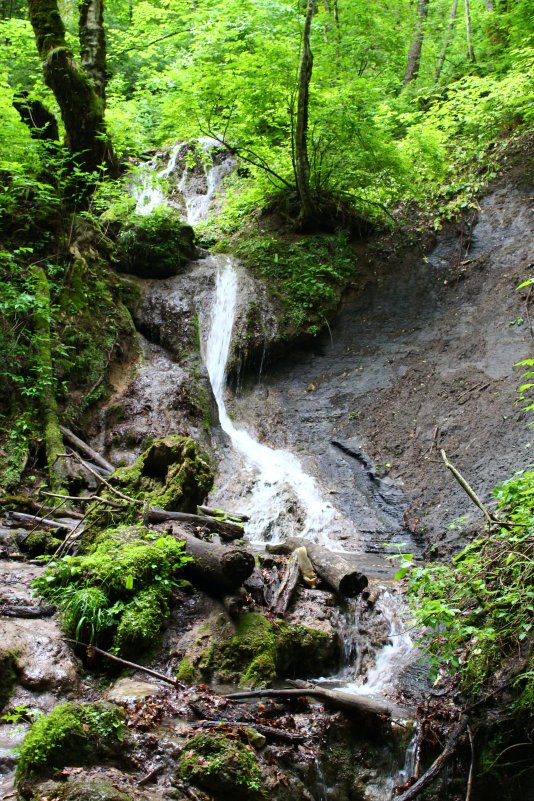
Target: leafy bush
{"x":478,"y":612}
{"x":155,"y":245}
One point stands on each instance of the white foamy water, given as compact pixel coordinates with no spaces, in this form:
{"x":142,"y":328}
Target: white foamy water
{"x":147,"y":188}
{"x":278,"y":474}
{"x":394,"y":656}
{"x":197,"y":203}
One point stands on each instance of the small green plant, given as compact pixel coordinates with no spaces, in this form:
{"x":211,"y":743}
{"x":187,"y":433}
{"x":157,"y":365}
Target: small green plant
{"x":478,"y":611}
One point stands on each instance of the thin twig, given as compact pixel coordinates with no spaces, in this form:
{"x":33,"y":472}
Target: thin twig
{"x":471,"y":768}
{"x":126,"y":663}
{"x":83,"y":499}
{"x":74,"y":455}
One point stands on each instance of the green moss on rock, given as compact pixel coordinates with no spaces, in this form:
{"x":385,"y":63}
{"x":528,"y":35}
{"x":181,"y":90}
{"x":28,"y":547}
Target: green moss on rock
{"x":141,"y":621}
{"x":173,"y":473}
{"x":73,"y":735}
{"x":254,"y":652}
{"x":39,"y":543}
{"x":227,"y":767}
{"x":185,"y":672}
{"x":82,"y":788}
{"x":156,"y":245}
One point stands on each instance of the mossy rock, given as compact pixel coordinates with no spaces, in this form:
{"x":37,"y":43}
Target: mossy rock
{"x":255,"y":652}
{"x":223,"y":766}
{"x":173,"y":474}
{"x":186,"y":671}
{"x":39,"y":543}
{"x":73,"y":735}
{"x":156,"y":245}
{"x":8,"y":677}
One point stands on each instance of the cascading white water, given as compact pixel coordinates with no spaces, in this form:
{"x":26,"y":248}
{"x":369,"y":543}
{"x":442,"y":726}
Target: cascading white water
{"x":148,"y":189}
{"x":276,"y":471}
{"x":197,"y":203}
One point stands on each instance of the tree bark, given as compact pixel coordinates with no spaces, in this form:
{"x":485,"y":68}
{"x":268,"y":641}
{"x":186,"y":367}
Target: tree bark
{"x":470,"y":51}
{"x":416,"y":47}
{"x":301,"y":157}
{"x":82,"y":109}
{"x":93,"y":43}
{"x":43,"y":346}
{"x":446,"y":41}
{"x":216,"y":569}
{"x":287,"y":586}
{"x":335,"y":571}
{"x":228,"y":531}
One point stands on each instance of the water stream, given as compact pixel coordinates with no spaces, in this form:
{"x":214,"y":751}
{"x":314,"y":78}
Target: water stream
{"x":276,"y":480}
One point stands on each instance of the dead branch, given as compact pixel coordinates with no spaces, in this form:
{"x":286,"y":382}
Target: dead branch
{"x":125,"y":662}
{"x":467,"y":489}
{"x":82,"y":446}
{"x":85,"y":499}
{"x":45,"y":522}
{"x":268,"y":731}
{"x":74,"y":455}
{"x":233,"y":517}
{"x":338,"y":699}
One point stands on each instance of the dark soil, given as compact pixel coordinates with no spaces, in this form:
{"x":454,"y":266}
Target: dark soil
{"x":421,"y":358}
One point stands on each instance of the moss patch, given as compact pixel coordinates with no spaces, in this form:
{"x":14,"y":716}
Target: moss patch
{"x":39,"y":543}
{"x":155,"y":245}
{"x":173,"y":473}
{"x":218,"y":764}
{"x":255,"y":652}
{"x":118,"y":593}
{"x":73,"y":735}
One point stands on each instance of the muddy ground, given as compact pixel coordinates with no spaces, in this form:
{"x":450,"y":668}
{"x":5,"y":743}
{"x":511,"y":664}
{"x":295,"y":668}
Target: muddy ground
{"x":421,"y":358}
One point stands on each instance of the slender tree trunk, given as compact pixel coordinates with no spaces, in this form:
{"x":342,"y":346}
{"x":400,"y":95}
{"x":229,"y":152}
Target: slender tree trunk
{"x":93,"y":43}
{"x":82,"y":109}
{"x":416,"y":47}
{"x":489,"y":5}
{"x":470,"y":51}
{"x":302,"y":161}
{"x":447,"y":39}
{"x":43,"y":347}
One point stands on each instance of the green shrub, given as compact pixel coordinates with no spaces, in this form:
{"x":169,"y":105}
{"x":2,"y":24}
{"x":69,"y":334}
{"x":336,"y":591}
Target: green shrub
{"x":155,"y":245}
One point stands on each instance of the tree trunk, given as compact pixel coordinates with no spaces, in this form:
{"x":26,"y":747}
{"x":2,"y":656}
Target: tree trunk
{"x":93,"y":43}
{"x":335,"y":571}
{"x":216,"y":569}
{"x":82,"y":109}
{"x":43,"y":347}
{"x":301,"y":158}
{"x":470,"y":51}
{"x":414,"y":55}
{"x":446,"y":41}
{"x":489,"y":5}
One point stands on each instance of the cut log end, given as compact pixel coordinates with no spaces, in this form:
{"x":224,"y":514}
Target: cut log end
{"x":352,"y":584}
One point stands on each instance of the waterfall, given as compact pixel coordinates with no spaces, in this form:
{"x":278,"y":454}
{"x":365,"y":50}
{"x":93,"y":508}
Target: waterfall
{"x":276,"y":471}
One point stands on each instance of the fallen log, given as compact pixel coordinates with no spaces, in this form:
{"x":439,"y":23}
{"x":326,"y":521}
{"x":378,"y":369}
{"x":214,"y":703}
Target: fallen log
{"x":11,"y":610}
{"x":218,"y":569}
{"x":228,"y":531}
{"x":232,"y":517}
{"x":287,"y":586}
{"x":337,"y":699}
{"x":332,"y":568}
{"x":85,"y":448}
{"x":35,"y":520}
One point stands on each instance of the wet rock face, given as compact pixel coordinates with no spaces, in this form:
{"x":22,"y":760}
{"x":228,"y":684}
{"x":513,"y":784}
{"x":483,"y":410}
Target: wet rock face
{"x":36,"y":667}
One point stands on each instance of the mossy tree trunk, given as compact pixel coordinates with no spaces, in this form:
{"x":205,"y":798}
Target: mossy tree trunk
{"x":448,"y":34}
{"x":78,"y":91}
{"x":301,"y":157}
{"x":47,"y":398}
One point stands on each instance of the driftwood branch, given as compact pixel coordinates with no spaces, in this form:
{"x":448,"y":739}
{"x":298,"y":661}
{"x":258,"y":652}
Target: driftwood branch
{"x":338,"y":699}
{"x":438,"y":765}
{"x":125,"y":662}
{"x":44,"y":522}
{"x":82,"y":446}
{"x":227,"y":530}
{"x":85,"y":499}
{"x":11,"y":610}
{"x":268,"y":731}
{"x":467,"y":488}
